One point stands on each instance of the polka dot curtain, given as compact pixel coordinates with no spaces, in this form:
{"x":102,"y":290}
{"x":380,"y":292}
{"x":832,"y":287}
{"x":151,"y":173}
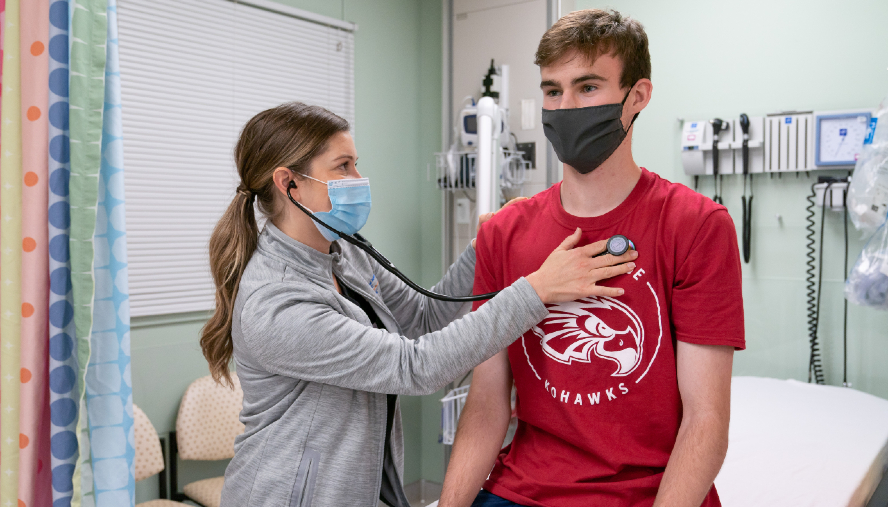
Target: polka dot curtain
{"x":12,"y":311}
{"x":66,"y":420}
{"x":63,"y":366}
{"x":34,"y":477}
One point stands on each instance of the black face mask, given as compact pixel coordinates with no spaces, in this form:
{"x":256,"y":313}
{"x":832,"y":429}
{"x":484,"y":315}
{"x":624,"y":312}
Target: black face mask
{"x":585,"y":137}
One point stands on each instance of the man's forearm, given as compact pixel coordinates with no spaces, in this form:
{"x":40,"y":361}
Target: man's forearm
{"x":696,"y":459}
{"x":478,"y":441}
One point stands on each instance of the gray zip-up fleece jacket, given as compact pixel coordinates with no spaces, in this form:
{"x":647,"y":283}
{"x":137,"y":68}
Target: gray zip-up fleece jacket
{"x":316,"y":373}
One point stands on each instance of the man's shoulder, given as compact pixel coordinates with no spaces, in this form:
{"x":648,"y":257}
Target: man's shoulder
{"x":681,"y":204}
{"x":519,"y":214}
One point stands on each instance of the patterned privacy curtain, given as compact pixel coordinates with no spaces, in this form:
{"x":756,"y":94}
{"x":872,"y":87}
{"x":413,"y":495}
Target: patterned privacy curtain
{"x":34,"y":452}
{"x":66,"y":419}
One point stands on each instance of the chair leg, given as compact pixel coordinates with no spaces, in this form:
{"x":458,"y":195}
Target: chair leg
{"x":174,"y":470}
{"x":162,"y":476}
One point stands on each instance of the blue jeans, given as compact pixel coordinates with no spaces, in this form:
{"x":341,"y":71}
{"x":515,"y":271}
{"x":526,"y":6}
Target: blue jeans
{"x":488,"y":499}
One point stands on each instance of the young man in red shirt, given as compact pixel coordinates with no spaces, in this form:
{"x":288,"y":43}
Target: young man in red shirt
{"x":620,"y":401}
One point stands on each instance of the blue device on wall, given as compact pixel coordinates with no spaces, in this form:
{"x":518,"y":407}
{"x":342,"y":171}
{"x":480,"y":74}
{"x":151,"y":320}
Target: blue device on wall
{"x":839,"y":137}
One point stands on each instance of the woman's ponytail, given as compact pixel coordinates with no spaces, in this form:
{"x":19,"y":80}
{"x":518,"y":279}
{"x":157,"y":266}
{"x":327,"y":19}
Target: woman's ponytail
{"x":231,"y":246}
{"x":290,"y":135}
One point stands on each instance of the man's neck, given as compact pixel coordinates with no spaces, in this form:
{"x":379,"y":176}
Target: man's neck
{"x":600,"y":191}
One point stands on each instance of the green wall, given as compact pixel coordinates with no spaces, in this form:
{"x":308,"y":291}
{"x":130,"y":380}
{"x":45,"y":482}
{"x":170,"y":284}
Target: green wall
{"x":763,"y":56}
{"x":397,"y":128}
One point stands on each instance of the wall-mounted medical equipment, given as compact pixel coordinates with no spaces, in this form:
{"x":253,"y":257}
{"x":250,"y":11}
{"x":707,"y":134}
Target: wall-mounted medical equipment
{"x":745,"y":124}
{"x":718,"y":147}
{"x":868,"y":193}
{"x":828,"y":193}
{"x":701,"y":144}
{"x":839,"y":138}
{"x":718,"y":126}
{"x":494,"y":85}
{"x":776,"y":143}
{"x":468,"y":126}
{"x":486,"y":158}
{"x":831,"y":195}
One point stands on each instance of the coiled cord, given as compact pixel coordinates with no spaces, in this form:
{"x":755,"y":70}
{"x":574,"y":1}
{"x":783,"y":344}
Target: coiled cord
{"x":812,"y":288}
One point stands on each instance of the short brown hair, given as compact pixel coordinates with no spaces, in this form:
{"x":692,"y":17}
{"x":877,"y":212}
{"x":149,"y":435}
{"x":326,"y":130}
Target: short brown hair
{"x":594,"y":32}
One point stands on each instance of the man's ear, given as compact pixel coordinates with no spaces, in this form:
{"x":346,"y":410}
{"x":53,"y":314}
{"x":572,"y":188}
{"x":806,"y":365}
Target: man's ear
{"x":640,"y":95}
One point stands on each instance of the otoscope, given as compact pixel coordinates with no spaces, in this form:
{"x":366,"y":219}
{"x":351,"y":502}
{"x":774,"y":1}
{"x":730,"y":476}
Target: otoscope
{"x":620,"y":246}
{"x":747,"y":202}
{"x":718,"y":125}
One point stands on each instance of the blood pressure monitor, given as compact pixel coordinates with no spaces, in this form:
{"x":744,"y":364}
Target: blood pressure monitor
{"x":839,"y":137}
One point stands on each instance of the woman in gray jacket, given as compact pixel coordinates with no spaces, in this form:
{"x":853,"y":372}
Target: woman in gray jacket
{"x":324,"y":339}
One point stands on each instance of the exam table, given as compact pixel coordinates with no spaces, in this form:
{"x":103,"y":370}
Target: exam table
{"x":794,"y":444}
{"x":799,"y":444}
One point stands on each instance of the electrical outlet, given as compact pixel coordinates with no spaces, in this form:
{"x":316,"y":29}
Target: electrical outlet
{"x":463,"y":213}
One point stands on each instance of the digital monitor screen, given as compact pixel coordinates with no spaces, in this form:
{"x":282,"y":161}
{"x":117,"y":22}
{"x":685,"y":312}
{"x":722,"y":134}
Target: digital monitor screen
{"x":470,"y":124}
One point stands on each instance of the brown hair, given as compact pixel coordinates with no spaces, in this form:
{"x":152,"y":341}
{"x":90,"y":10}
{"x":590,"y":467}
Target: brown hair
{"x":290,"y":135}
{"x":594,"y":32}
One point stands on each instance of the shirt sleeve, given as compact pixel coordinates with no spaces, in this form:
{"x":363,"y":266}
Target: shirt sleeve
{"x":485,"y":276}
{"x":299,"y":334}
{"x":707,"y":297}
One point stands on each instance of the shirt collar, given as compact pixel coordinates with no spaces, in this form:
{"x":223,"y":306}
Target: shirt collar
{"x":299,"y":256}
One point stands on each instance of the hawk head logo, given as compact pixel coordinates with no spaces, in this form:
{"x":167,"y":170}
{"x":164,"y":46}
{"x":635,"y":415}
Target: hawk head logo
{"x":598,"y":327}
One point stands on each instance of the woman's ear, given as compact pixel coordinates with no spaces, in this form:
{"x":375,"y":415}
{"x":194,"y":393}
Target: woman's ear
{"x":283,"y":177}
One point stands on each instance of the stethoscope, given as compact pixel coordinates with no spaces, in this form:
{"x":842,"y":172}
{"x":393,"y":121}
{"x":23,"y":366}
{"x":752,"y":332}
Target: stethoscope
{"x":617,"y":245}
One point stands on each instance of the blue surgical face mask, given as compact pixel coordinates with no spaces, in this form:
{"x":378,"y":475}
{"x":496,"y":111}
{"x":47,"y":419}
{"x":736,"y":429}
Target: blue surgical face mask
{"x":351,"y":206}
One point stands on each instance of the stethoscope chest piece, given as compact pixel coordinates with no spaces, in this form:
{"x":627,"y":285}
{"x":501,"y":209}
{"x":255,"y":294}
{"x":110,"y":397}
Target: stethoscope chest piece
{"x":618,"y":245}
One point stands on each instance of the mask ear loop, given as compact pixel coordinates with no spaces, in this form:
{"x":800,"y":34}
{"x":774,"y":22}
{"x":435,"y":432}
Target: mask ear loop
{"x":623,"y":103}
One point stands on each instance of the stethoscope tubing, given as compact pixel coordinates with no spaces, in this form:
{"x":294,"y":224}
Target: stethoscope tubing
{"x":360,"y":242}
{"x":616,"y":245}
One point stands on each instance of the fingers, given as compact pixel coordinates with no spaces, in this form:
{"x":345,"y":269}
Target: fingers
{"x":571,"y":241}
{"x":517,"y":199}
{"x":610,"y":260}
{"x":593,"y":249}
{"x":606,"y":272}
{"x":598,"y":290}
{"x":485,"y":217}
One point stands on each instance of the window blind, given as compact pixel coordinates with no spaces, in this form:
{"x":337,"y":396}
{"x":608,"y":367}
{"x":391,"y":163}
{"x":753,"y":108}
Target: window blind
{"x":192,"y":73}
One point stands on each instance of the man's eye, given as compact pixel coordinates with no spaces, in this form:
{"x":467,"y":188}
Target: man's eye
{"x":553,"y":93}
{"x":589,"y":89}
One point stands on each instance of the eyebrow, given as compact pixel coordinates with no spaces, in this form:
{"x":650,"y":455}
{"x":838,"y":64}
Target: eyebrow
{"x":587,"y":77}
{"x":345,"y":155}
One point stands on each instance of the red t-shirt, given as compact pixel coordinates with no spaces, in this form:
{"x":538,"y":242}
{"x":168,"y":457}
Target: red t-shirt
{"x":598,"y":403}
